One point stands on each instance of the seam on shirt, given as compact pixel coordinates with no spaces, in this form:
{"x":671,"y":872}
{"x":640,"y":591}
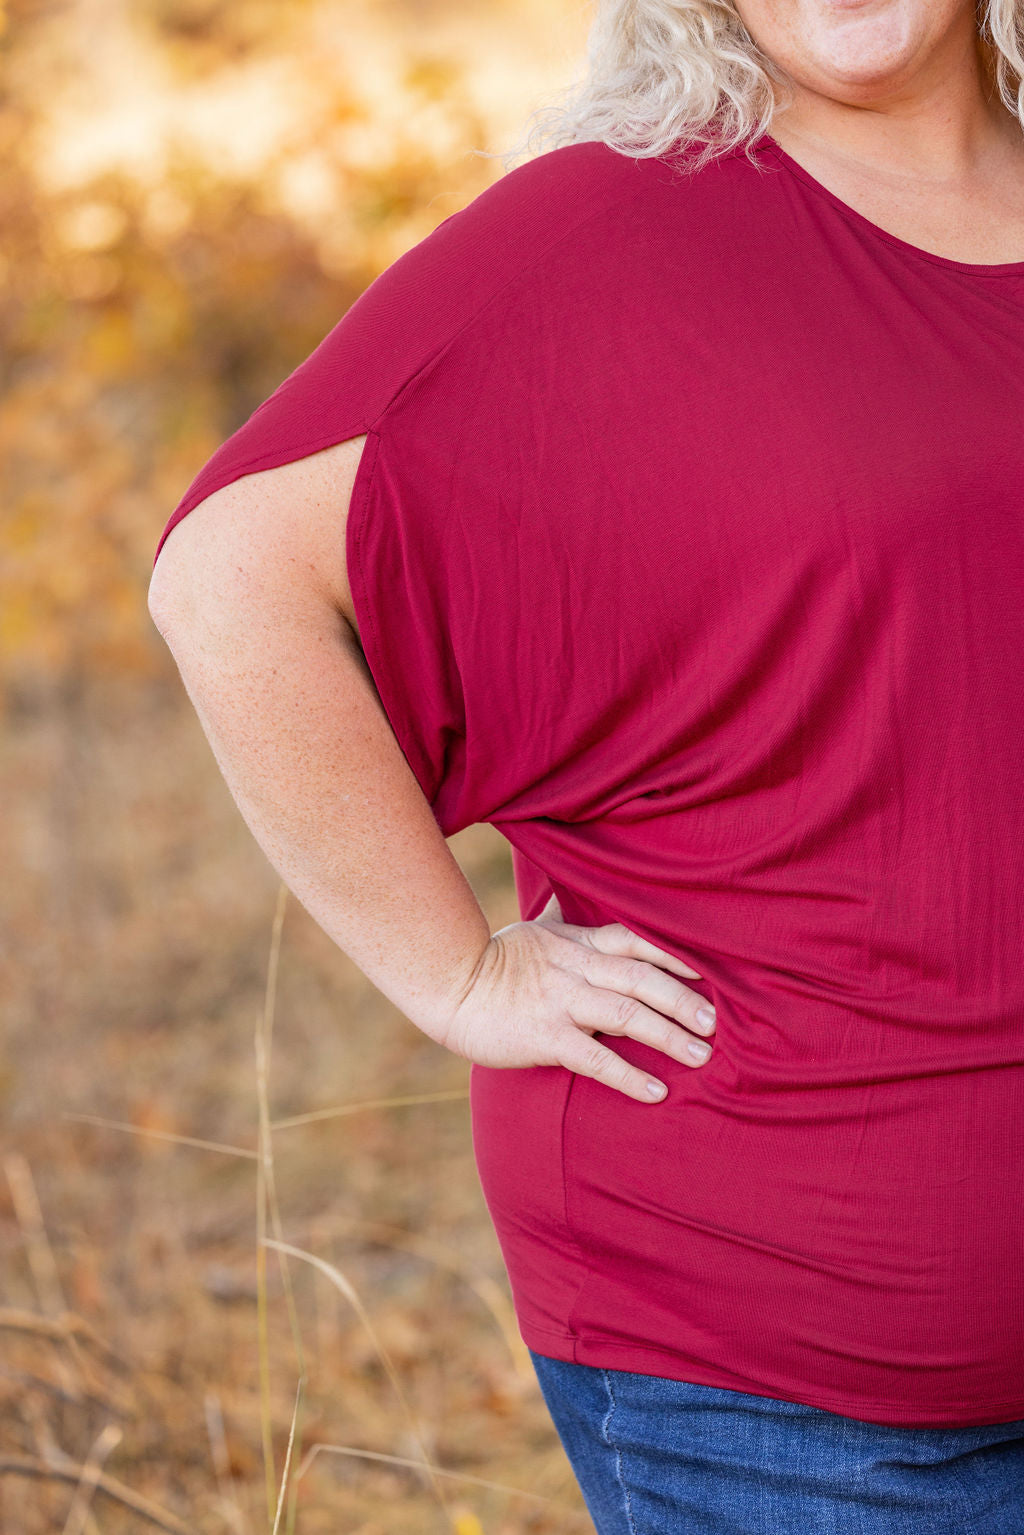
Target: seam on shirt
{"x":606,"y":1436}
{"x":376,"y":427}
{"x":355,"y":528}
{"x":854,"y":217}
{"x":403,"y":727}
{"x":570,"y":1229}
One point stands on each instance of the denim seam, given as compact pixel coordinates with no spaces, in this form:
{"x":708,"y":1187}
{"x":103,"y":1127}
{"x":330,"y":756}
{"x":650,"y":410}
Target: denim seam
{"x":617,"y":1452}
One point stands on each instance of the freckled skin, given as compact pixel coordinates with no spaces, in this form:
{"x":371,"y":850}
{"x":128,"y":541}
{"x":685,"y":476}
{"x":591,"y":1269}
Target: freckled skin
{"x":255,"y":604}
{"x":251,"y":594}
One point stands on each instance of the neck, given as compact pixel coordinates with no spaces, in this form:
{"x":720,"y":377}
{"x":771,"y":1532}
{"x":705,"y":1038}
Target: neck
{"x":949,"y":127}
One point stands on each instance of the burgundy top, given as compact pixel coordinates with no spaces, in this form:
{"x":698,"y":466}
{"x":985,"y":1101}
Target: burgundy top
{"x":687,"y":549}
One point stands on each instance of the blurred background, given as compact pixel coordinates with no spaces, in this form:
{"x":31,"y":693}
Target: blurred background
{"x":193,"y":193}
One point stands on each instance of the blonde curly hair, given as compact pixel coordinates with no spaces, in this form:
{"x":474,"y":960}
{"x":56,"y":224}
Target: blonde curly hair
{"x":664,"y":74}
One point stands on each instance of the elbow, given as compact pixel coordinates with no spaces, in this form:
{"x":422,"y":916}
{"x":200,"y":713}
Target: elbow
{"x":162,"y":606}
{"x":168,"y":596}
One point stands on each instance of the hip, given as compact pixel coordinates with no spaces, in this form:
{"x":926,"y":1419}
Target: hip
{"x":865,"y":1265}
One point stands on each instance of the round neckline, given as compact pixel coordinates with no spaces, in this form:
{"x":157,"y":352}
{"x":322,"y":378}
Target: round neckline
{"x":981,"y":268}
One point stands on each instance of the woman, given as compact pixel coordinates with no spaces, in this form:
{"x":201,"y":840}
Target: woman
{"x":663,"y":508}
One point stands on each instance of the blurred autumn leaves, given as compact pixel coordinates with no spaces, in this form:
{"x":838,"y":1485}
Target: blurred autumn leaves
{"x":194,"y":192}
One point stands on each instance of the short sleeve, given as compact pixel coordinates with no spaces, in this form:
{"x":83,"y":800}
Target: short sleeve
{"x":347,"y":382}
{"x":404,"y":367}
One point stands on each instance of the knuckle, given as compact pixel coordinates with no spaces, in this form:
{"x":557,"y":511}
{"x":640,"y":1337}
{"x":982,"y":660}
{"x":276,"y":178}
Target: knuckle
{"x":603,"y":1065}
{"x":586,"y":958}
{"x":595,"y":1059}
{"x":667,"y":1038}
{"x":686,"y":1006}
{"x":607,"y":938}
{"x":625,"y":1011}
{"x":633,"y":972}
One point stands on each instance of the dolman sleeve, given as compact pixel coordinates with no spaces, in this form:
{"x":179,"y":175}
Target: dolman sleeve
{"x":439,"y":365}
{"x":394,"y":537}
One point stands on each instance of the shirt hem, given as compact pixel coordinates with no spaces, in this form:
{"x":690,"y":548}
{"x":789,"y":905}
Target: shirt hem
{"x":602,"y":1352}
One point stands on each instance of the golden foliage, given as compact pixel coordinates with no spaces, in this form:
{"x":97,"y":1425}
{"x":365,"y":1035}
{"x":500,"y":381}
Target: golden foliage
{"x":151,"y":303}
{"x":193,"y":192}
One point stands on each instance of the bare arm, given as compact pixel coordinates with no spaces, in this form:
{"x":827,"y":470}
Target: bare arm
{"x":251,"y":593}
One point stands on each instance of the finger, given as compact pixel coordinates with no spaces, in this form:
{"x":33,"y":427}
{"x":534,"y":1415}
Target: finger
{"x":614,"y":938}
{"x":578,"y":1052}
{"x":635,"y":978}
{"x":611,"y":1013}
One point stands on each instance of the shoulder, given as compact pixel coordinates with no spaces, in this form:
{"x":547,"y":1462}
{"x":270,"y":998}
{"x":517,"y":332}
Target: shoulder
{"x":566,"y":223}
{"x":574,"y":204}
{"x":427,"y":296}
{"x":577,"y":221}
{"x":503,"y":229}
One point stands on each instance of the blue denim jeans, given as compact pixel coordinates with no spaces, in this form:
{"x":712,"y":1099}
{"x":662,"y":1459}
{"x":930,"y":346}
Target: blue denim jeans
{"x":662,"y":1457}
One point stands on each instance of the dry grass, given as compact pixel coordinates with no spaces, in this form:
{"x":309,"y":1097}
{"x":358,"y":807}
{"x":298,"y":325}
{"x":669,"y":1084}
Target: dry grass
{"x":249,"y":1279}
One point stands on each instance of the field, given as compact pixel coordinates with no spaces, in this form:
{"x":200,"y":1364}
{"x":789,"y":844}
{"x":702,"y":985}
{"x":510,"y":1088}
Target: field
{"x":191,"y":1070}
{"x":141,"y":927}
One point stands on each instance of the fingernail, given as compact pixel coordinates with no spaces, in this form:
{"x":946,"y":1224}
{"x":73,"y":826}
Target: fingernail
{"x":657,"y":1089}
{"x":706,"y":1016}
{"x":698,"y":1051}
